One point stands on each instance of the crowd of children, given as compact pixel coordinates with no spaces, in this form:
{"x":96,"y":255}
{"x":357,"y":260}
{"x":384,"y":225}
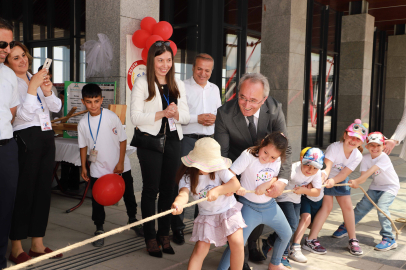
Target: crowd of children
{"x":206,"y":174}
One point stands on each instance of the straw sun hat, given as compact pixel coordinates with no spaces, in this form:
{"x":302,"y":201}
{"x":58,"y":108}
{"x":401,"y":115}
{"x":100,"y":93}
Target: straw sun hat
{"x":206,"y":156}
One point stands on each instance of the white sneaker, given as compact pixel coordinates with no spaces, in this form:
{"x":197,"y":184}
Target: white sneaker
{"x":295,"y":253}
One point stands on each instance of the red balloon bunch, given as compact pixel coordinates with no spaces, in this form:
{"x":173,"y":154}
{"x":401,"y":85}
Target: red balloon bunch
{"x":108,"y":189}
{"x":151,"y":32}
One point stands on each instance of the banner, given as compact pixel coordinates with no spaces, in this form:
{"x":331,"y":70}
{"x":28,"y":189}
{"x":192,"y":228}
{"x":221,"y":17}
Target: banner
{"x":135,"y":67}
{"x":73,"y":96}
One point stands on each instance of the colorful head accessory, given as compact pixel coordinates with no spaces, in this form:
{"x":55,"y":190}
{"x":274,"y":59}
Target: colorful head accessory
{"x":313,"y":156}
{"x":357,"y":129}
{"x":376,"y":137}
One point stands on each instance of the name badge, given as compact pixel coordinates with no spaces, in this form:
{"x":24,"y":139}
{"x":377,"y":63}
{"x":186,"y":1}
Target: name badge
{"x":172,"y":124}
{"x":93,"y":155}
{"x":45,"y":121}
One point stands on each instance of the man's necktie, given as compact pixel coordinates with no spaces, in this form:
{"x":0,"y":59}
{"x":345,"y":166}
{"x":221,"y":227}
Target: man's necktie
{"x":252,"y":129}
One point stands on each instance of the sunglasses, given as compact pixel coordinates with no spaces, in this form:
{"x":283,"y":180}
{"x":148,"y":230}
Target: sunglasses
{"x":160,"y":43}
{"x":4,"y":44}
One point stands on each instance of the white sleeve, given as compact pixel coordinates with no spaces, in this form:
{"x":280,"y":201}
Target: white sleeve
{"x":14,"y":99}
{"x":81,"y":135}
{"x":122,"y":135}
{"x":53,"y":102}
{"x":225,"y":175}
{"x":400,"y":131}
{"x":364,"y":166}
{"x":354,"y":163}
{"x":331,"y":153}
{"x":241,"y":163}
{"x":183,"y":107}
{"x":183,"y":183}
{"x":138,"y":117}
{"x":27,"y":107}
{"x":384,"y":162}
{"x":316,"y":182}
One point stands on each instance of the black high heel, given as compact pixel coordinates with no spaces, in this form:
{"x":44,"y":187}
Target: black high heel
{"x":153,"y":248}
{"x":166,"y":244}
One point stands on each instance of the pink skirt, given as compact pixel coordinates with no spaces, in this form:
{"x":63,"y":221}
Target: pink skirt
{"x":214,"y":229}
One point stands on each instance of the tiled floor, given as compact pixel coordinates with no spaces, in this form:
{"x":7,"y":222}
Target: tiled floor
{"x":125,"y":251}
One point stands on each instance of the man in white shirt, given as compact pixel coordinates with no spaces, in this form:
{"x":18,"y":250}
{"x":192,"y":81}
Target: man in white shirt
{"x":8,"y":146}
{"x":203,"y":98}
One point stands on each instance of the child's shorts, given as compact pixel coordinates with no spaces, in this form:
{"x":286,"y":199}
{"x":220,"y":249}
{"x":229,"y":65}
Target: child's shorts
{"x":339,"y":191}
{"x":309,"y":206}
{"x":214,"y":229}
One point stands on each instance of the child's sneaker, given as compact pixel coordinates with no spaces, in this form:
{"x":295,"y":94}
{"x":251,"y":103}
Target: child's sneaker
{"x":314,"y":246}
{"x":295,"y":253}
{"x":264,"y":247}
{"x":286,"y":263}
{"x":386,"y":244}
{"x":353,"y":246}
{"x":340,"y":232}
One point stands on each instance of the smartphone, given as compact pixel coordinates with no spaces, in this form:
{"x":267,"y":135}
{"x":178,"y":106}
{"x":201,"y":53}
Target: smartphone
{"x":47,"y":63}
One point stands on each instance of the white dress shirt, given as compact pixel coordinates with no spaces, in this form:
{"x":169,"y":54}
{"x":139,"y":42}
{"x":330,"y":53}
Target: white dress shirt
{"x":8,"y":99}
{"x":29,"y":109}
{"x":201,"y":100}
{"x":256,"y":117}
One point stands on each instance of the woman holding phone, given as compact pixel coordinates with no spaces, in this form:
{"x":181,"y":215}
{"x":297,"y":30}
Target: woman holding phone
{"x":36,"y":155}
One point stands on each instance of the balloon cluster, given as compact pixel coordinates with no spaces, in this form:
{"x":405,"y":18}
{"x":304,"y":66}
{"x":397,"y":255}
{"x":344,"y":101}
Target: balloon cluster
{"x":151,"y":32}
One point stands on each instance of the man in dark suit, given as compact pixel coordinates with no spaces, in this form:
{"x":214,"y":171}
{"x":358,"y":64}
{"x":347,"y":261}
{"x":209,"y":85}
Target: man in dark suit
{"x":243,"y":122}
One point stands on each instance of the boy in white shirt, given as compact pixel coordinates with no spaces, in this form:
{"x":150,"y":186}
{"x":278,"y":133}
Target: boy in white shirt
{"x":107,"y":157}
{"x":382,"y":191}
{"x":303,"y":173}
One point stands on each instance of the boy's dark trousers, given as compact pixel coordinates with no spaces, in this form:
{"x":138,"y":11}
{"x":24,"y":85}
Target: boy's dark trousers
{"x":98,"y":214}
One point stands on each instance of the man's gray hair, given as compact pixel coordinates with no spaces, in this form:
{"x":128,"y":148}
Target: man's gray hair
{"x":255,"y":78}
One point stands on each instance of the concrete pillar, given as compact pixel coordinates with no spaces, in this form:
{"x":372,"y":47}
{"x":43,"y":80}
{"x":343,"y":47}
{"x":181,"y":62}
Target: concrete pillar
{"x":355,"y":70}
{"x":395,"y":83}
{"x":117,"y":19}
{"x":282,"y":60}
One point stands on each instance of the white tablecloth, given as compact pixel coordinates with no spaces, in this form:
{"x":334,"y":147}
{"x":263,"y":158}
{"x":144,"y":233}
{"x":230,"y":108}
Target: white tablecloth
{"x":68,"y":150}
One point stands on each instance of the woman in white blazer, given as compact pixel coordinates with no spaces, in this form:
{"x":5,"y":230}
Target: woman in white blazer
{"x":158,"y":105}
{"x":398,"y":137}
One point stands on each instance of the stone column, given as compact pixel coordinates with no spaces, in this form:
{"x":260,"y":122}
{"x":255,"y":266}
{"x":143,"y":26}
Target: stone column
{"x":395,"y":83}
{"x":283,"y":37}
{"x":355,"y":70}
{"x":117,"y":19}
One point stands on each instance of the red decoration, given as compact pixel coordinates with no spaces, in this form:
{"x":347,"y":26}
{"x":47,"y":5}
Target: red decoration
{"x":151,"y":40}
{"x":140,"y":37}
{"x":108,"y":189}
{"x":173,"y":47}
{"x":163,"y":29}
{"x":147,"y":24}
{"x":144,"y":55}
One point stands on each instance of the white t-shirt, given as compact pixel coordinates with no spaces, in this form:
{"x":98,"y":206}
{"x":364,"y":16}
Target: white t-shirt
{"x":9,"y":99}
{"x":335,"y":153}
{"x":222,"y":204}
{"x":111,"y":133}
{"x":253,"y":174}
{"x":298,"y":179}
{"x":384,"y":179}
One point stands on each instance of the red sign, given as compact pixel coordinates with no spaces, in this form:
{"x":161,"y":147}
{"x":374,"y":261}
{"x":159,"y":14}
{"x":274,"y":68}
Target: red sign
{"x":137,"y":69}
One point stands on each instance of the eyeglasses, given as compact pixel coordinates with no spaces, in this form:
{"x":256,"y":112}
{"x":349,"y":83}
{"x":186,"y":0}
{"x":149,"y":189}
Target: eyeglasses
{"x":160,"y":43}
{"x":4,"y":44}
{"x":250,"y":101}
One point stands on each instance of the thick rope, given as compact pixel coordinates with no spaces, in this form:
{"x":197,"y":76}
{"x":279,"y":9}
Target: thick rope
{"x":127,"y":227}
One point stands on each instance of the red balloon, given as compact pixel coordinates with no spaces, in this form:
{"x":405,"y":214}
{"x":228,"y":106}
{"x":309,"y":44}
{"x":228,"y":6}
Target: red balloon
{"x":148,"y":23}
{"x":173,"y":47}
{"x":140,"y":37}
{"x":163,"y":29}
{"x":144,"y":55}
{"x":151,"y":40}
{"x":108,"y":189}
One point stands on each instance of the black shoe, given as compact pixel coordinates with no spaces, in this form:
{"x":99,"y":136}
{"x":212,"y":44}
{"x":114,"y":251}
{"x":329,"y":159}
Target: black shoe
{"x":178,"y":237}
{"x":153,"y":248}
{"x":246,"y":267}
{"x":139,"y":231}
{"x":166,"y":244}
{"x":255,"y":255}
{"x":100,"y":242}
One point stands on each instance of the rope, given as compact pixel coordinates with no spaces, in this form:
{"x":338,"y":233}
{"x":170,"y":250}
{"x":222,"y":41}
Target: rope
{"x":127,"y":227}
